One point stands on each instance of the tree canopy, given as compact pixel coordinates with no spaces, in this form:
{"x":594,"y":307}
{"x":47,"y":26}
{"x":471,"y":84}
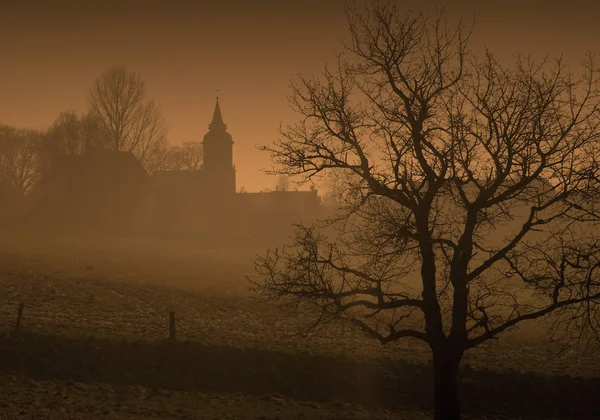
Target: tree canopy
{"x":470,"y":193}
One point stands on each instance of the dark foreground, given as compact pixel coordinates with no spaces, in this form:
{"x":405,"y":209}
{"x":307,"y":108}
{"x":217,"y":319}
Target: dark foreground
{"x":187,"y":379}
{"x":93,"y":345}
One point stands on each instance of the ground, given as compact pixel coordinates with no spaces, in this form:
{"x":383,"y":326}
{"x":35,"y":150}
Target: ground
{"x":94,"y":343}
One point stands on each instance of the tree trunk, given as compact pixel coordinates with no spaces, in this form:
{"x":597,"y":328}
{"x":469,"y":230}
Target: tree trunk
{"x":447,"y":405}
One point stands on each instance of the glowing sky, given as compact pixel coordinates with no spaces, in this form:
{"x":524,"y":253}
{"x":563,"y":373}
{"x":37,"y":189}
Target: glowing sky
{"x":51,"y":52}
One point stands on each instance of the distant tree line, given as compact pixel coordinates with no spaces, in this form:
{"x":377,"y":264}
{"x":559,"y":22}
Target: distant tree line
{"x":121,"y":117}
{"x":20,"y":158}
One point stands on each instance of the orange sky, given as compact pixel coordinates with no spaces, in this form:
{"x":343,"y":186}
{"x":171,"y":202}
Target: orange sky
{"x":51,"y":52}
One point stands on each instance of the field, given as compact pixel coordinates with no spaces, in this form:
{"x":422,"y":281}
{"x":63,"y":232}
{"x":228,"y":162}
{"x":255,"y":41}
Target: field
{"x":94,"y":344}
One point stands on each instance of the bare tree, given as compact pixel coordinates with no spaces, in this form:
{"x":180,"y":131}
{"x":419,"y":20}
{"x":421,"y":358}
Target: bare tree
{"x":65,"y":137}
{"x":185,"y":157}
{"x":94,"y":136}
{"x":192,"y":155}
{"x":160,"y":160}
{"x":73,"y":134}
{"x":473,"y":191}
{"x":20,"y":158}
{"x":283,"y":183}
{"x":337,"y":186}
{"x":133,"y":122}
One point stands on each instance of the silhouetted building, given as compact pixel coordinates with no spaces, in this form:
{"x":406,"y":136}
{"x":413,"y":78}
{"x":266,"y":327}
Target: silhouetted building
{"x":218,"y":165}
{"x":185,"y":201}
{"x":97,"y":191}
{"x":206,"y":201}
{"x":100,"y":188}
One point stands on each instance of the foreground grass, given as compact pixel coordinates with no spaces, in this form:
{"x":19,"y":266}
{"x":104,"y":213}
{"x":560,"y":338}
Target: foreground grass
{"x":68,"y":399}
{"x":93,"y":345}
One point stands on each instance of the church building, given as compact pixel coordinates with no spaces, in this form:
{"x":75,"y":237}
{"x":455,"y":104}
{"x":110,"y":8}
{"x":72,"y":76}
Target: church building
{"x":201,"y":200}
{"x":217,"y":148}
{"x":110,"y":191}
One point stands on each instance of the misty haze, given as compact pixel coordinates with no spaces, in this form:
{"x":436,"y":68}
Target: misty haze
{"x":299,"y":210}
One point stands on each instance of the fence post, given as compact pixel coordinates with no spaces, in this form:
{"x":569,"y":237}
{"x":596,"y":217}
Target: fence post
{"x":172,"y":325}
{"x":19,"y":317}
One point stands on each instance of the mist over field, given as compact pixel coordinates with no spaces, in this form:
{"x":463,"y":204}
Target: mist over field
{"x":284,"y":210}
{"x":94,"y":343}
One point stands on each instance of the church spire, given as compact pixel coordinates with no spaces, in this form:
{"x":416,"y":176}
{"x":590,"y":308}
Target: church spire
{"x":217,"y":121}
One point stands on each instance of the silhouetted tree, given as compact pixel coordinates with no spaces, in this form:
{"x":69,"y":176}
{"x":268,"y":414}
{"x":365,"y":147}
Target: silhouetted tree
{"x":20,"y":158}
{"x":159,"y":161}
{"x":337,"y":187}
{"x":283,"y":183}
{"x":192,"y":155}
{"x":133,"y":122}
{"x":473,"y":191}
{"x":187,"y":156}
{"x":73,"y":134}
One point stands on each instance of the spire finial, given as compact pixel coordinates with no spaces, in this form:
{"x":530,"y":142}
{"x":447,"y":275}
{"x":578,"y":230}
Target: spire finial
{"x":217,"y":121}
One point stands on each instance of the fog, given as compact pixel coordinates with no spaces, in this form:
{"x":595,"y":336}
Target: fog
{"x":206,"y":213}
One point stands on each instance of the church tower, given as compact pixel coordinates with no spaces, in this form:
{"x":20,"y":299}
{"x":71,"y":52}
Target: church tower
{"x":218,"y":156}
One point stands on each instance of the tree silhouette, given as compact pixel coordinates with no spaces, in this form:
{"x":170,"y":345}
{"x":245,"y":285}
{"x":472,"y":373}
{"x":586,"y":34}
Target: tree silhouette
{"x":470,"y":205}
{"x":20,"y":158}
{"x":193,"y":155}
{"x":188,"y":156}
{"x":132,"y":121}
{"x":283,"y":183}
{"x":73,"y":134}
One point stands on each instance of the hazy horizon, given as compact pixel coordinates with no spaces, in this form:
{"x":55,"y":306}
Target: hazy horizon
{"x":444,"y":265}
{"x":249,"y":52}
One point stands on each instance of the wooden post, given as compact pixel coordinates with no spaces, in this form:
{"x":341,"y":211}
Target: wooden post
{"x":19,"y":317}
{"x":172,"y":325}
